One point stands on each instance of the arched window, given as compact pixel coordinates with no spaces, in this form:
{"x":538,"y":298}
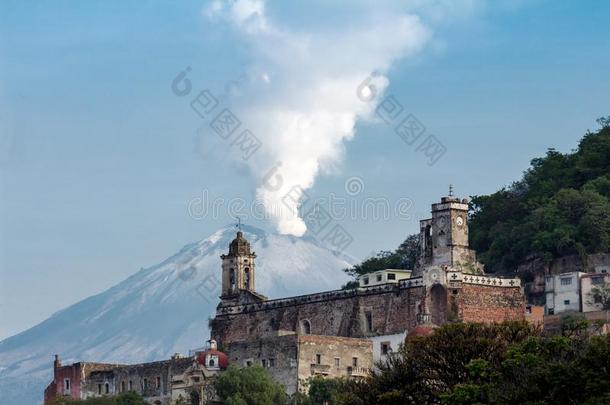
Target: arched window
{"x":194,"y":398}
{"x":232,"y":279}
{"x":211,"y":362}
{"x":247,"y":278}
{"x":305,"y":327}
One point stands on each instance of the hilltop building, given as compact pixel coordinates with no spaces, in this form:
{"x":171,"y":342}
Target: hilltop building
{"x":338,"y":333}
{"x":448,"y":285}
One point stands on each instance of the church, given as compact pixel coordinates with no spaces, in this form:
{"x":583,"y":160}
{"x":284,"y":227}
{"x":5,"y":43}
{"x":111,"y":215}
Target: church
{"x":343,"y":332}
{"x":340,"y":333}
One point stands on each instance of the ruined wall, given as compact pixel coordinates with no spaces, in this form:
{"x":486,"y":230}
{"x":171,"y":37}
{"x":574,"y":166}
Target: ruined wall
{"x":78,"y":374}
{"x":481,"y":303}
{"x":386,"y":309}
{"x":339,"y":357}
{"x":292,"y":359}
{"x":151,"y":380}
{"x":279,"y":355}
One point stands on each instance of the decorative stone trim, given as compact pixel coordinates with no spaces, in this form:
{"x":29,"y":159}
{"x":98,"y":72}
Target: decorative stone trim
{"x":319,"y":297}
{"x":483,"y":280}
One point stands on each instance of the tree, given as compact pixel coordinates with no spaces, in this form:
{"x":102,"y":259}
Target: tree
{"x":248,"y":386}
{"x":404,"y":257}
{"x":559,"y":207}
{"x":600,"y":294}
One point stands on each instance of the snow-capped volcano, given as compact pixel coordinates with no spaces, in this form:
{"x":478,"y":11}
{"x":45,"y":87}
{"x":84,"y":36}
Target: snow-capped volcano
{"x":160,"y":310}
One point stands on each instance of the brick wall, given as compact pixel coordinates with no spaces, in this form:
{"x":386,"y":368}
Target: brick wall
{"x":480,"y":303}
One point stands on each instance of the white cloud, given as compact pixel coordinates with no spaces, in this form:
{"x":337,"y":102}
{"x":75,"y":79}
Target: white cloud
{"x":304,"y":104}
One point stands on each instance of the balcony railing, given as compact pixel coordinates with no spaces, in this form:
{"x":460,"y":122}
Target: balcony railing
{"x":320,"y":368}
{"x":357,"y":371}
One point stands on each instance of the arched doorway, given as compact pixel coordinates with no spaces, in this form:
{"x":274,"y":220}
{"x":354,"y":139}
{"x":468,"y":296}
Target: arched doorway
{"x":305,"y":327}
{"x":438,"y":304}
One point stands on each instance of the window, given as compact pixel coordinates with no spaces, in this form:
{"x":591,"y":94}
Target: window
{"x":158,"y":382}
{"x":366,"y":281}
{"x":146,"y":383}
{"x":107,"y":388}
{"x":566,"y":302}
{"x":247,"y":278}
{"x":130,"y":385}
{"x":122,"y":386}
{"x":264,"y":363}
{"x":99,"y":389}
{"x":232,"y":279}
{"x":67,"y":385}
{"x":337,"y":362}
{"x":271,"y":362}
{"x":379,"y":277}
{"x":385,"y":348}
{"x":369,"y":321}
{"x":248,"y":363}
{"x":195,"y":379}
{"x":597,"y":280}
{"x":318,"y":359}
{"x":354,"y":361}
{"x":391,"y":276}
{"x":566,"y":281}
{"x":597,"y":299}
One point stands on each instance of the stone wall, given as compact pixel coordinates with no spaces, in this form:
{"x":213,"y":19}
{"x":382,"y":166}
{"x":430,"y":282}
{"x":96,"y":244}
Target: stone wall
{"x":279,"y":355}
{"x":292,"y":359}
{"x":338,"y":357}
{"x":383,"y":310}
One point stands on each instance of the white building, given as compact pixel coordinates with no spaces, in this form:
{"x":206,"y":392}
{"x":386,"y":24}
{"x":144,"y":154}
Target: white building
{"x":384,"y":345}
{"x":563,"y":292}
{"x":383,"y":277}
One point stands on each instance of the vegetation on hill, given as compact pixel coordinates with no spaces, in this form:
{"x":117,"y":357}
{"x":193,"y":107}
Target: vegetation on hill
{"x":404,"y":257}
{"x":560,"y":207}
{"x":510,"y":363}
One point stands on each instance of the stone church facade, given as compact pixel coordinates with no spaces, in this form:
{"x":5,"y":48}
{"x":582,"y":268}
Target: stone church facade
{"x":448,"y":285}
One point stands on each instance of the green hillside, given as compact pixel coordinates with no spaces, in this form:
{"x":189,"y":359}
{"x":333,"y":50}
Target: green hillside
{"x":560,"y":207}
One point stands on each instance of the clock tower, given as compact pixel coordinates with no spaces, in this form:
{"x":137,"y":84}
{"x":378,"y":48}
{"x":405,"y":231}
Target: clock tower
{"x":444,"y":237}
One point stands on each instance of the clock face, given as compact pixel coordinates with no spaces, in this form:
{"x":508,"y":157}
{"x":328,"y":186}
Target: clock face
{"x":459,"y":221}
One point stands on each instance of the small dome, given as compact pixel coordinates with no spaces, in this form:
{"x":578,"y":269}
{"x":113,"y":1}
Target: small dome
{"x":216,"y":356}
{"x":239,"y":246}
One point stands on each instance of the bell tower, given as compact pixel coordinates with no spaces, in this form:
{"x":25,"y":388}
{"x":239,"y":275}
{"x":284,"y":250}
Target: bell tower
{"x":238,"y":268}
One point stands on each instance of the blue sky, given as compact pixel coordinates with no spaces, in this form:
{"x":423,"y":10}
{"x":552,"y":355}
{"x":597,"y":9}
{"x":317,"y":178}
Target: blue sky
{"x":99,"y":159}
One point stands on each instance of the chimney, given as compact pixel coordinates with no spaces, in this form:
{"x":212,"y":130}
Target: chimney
{"x":57,"y":362}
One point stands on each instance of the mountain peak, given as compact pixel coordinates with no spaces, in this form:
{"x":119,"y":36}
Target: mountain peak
{"x":162,"y":309}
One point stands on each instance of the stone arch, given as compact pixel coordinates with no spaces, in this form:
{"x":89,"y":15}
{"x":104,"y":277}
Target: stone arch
{"x":428,"y":241}
{"x":305,"y":327}
{"x":195,"y":398}
{"x":438,"y":304}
